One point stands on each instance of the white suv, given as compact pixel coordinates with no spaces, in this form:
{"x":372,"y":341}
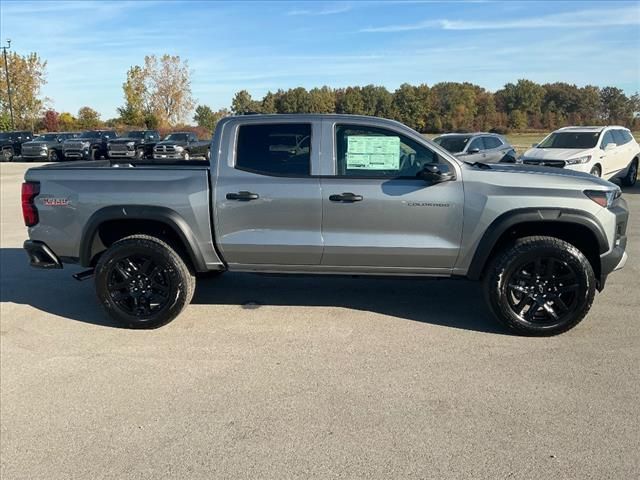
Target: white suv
{"x":607,"y":152}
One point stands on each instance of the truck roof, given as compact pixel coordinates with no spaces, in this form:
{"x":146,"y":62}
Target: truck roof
{"x":593,"y":128}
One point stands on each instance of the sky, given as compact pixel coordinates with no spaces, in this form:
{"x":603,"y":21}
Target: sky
{"x":261,"y":46}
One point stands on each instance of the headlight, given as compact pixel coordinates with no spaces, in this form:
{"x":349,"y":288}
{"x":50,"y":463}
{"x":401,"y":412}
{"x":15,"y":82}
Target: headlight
{"x":576,"y":161}
{"x":604,"y":198}
{"x":179,"y":149}
{"x":130,"y":144}
{"x":44,"y":147}
{"x":86,"y":144}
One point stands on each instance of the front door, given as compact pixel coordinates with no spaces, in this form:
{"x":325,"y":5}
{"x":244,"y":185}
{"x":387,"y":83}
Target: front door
{"x":378,"y":215}
{"x":268,"y":208}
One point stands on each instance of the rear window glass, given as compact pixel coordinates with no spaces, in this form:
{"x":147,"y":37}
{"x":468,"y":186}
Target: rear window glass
{"x":275,"y":149}
{"x":453,"y":144}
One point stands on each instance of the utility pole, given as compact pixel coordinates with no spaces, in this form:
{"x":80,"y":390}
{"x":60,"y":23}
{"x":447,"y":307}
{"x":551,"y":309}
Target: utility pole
{"x":6,"y":71}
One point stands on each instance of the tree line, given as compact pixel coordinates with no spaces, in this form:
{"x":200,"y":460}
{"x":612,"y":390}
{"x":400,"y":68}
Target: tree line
{"x":157,"y":94}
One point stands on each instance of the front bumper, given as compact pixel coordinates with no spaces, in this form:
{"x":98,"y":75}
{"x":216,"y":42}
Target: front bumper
{"x":616,"y":257}
{"x":40,"y":156}
{"x":40,"y":255}
{"x":168,"y":156}
{"x":77,"y":154}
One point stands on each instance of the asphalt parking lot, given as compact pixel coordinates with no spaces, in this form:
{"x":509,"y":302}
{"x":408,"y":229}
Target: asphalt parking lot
{"x":274,"y":377}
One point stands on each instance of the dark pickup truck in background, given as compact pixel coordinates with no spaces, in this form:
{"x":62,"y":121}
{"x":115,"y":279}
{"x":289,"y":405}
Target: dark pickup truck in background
{"x":89,"y":145}
{"x":135,"y":144}
{"x":11,"y":143}
{"x":46,"y":147}
{"x":181,"y":146}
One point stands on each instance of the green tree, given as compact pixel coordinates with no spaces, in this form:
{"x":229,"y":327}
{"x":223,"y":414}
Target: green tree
{"x":295,"y":100}
{"x":322,"y":100}
{"x":525,"y":96}
{"x":616,"y":106}
{"x":350,"y":101}
{"x":205,"y":117}
{"x":411,"y":106}
{"x":136,"y":96}
{"x":243,"y":103}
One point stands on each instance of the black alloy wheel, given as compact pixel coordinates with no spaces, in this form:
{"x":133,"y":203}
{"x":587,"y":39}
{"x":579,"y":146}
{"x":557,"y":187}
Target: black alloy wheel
{"x":543,"y":291}
{"x":139,"y":285}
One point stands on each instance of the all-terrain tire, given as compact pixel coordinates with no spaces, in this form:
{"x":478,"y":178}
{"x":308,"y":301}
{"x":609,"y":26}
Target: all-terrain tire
{"x":506,"y":284}
{"x":172,"y":275}
{"x":629,"y":180}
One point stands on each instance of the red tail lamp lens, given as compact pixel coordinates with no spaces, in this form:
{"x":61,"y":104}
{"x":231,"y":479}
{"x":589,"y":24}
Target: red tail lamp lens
{"x":29,"y":211}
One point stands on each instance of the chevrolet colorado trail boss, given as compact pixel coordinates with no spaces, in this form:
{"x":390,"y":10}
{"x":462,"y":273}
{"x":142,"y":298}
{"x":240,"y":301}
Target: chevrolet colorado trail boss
{"x":135,"y":144}
{"x":328,"y":194}
{"x":181,"y":146}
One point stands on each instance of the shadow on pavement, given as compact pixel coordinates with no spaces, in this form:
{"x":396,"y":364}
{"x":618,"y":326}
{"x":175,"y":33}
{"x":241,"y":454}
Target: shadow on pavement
{"x":452,"y":303}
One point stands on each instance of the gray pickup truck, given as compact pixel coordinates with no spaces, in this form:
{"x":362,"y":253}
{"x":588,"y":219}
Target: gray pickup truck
{"x":328,"y":194}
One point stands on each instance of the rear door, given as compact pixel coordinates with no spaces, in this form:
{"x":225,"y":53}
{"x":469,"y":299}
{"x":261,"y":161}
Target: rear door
{"x":624,"y":153}
{"x":471,"y":155}
{"x":268,"y":206}
{"x":378,"y":216}
{"x":494,"y":149}
{"x":609,"y":157}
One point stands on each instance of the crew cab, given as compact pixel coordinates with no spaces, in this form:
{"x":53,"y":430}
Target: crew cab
{"x":181,"y":146}
{"x":89,"y":145}
{"x":46,"y":147}
{"x":11,"y":143}
{"x":328,"y":194}
{"x":133,"y":144}
{"x":608,"y":152}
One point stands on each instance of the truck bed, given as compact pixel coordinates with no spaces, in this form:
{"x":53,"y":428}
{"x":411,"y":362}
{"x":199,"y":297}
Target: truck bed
{"x":73,"y":194}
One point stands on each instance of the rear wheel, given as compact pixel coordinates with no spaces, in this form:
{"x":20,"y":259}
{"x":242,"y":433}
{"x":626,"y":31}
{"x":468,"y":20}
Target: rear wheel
{"x":142,"y":282}
{"x":596,"y":171}
{"x":540,"y":286}
{"x":7,"y":154}
{"x":630,"y":179}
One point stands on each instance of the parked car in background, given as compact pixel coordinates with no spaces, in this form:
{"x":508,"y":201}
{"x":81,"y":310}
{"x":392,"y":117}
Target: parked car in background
{"x":89,"y":145}
{"x":376,"y":199}
{"x":11,"y":143}
{"x":478,"y":147}
{"x":46,"y":147}
{"x":607,"y":152}
{"x":135,"y":144}
{"x":181,"y":146}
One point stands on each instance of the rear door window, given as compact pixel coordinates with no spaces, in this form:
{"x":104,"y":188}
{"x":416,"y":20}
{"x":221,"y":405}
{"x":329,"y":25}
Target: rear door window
{"x":492,"y":142}
{"x":476,"y":143}
{"x":618,"y":137}
{"x":275,"y":149}
{"x":607,"y":139}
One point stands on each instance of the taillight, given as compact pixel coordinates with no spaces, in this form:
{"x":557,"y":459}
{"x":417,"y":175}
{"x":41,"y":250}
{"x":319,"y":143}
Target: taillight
{"x":29,"y":211}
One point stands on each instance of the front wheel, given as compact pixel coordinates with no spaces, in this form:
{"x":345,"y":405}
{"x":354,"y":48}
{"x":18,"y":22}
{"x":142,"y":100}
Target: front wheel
{"x":186,"y":155}
{"x":540,"y":286}
{"x":142,"y":282}
{"x":53,"y":156}
{"x":7,"y":154}
{"x":595,"y":171}
{"x":630,"y":179}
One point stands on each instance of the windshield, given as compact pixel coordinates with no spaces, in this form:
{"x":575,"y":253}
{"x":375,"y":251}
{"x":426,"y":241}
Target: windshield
{"x":179,"y":137}
{"x":134,"y":134}
{"x":46,"y":137}
{"x":577,"y":140}
{"x":89,"y":135}
{"x":453,"y":144}
{"x":4,"y":136}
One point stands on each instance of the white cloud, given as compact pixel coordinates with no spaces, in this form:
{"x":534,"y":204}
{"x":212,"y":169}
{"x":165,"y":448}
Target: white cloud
{"x":332,"y":10}
{"x":586,"y":18}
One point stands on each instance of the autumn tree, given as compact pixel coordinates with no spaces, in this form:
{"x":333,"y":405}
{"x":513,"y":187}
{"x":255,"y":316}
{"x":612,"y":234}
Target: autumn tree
{"x":67,"y":122}
{"x":88,"y":118}
{"x":157,"y":92}
{"x":27,"y":75}
{"x":50,"y":121}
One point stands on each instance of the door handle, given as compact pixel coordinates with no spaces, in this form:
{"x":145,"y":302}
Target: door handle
{"x":243,"y":196}
{"x":346,"y":197}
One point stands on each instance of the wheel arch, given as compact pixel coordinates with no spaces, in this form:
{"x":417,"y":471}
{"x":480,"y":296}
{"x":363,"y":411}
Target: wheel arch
{"x":579,"y":228}
{"x":110,"y":224}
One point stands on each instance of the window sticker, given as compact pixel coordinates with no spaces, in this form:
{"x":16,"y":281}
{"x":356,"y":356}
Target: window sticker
{"x":373,"y":153}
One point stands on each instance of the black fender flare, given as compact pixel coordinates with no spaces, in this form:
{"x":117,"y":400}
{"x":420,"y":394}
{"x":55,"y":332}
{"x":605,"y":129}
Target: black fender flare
{"x":531,"y":215}
{"x":140,"y":212}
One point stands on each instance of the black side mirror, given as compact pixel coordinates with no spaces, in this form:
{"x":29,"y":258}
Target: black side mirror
{"x":473,"y":150}
{"x":436,"y":173}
